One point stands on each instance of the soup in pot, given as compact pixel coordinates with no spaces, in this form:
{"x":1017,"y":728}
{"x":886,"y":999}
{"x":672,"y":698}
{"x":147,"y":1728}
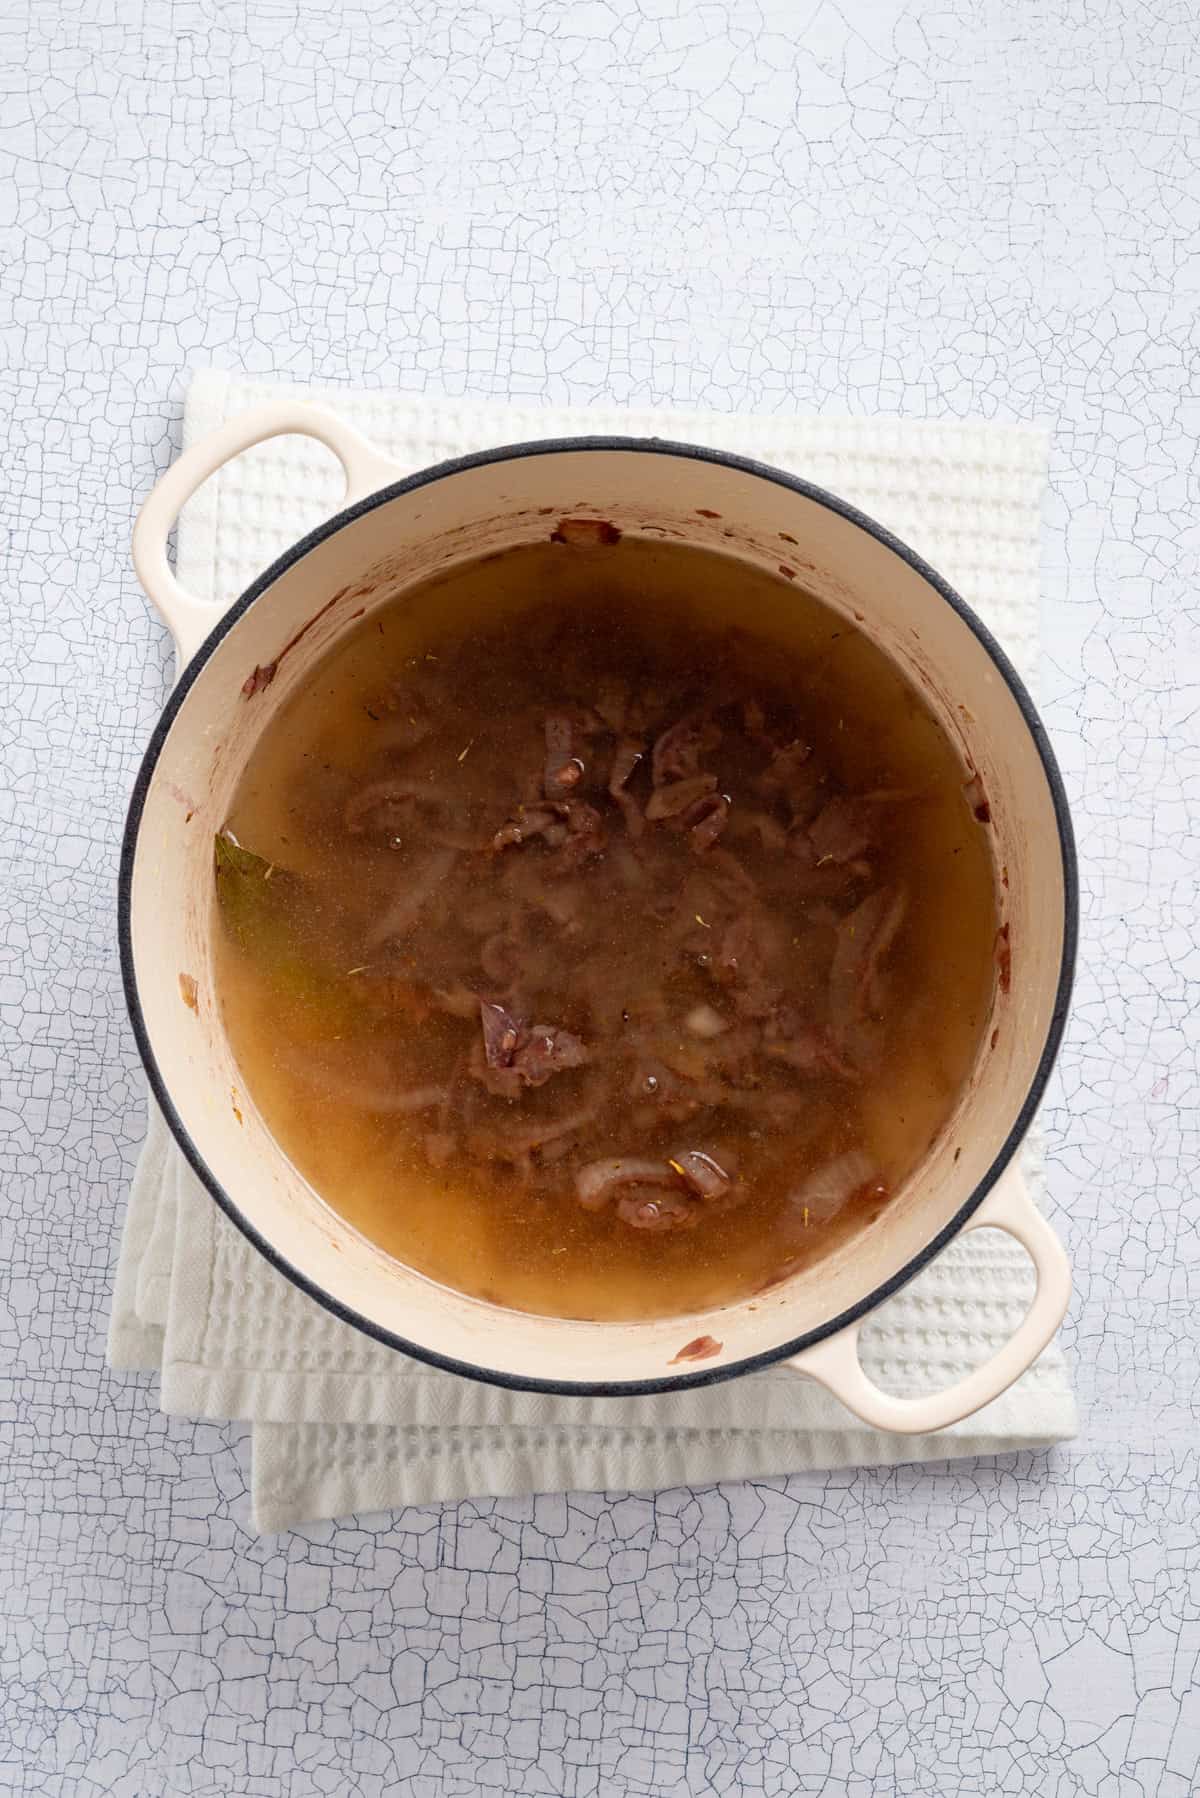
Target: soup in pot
{"x":605,"y":929}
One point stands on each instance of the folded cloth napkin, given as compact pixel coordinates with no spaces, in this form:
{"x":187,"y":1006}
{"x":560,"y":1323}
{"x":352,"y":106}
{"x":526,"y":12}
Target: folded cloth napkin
{"x":343,"y":1425}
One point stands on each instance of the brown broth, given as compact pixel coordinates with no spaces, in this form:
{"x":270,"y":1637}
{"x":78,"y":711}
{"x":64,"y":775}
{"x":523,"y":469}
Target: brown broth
{"x":444,"y":693}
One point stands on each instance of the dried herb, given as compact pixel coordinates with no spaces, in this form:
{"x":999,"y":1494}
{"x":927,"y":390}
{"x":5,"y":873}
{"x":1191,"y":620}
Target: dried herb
{"x":274,"y":915}
{"x":262,"y":904}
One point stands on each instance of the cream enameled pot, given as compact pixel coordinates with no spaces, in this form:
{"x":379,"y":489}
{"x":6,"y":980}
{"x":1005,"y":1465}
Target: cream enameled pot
{"x":240,"y":667}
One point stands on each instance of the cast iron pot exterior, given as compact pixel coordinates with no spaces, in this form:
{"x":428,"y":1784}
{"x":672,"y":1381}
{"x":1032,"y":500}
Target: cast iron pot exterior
{"x":392,"y":533}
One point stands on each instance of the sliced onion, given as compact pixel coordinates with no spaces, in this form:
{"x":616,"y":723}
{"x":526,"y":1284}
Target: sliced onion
{"x":598,"y":1181}
{"x":831,"y":1188}
{"x":706,"y":1177}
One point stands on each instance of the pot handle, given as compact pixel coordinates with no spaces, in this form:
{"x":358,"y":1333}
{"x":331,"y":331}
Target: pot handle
{"x":190,"y":620}
{"x":835,"y":1363}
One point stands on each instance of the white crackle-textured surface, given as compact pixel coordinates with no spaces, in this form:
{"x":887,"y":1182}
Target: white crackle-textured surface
{"x":919,"y":208}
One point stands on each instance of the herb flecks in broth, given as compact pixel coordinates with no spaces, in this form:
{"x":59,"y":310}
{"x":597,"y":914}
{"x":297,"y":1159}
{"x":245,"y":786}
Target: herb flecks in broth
{"x":616,"y":961}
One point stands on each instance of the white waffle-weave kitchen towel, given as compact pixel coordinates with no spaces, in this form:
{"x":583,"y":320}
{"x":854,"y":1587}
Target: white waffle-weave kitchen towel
{"x":341,"y":1425}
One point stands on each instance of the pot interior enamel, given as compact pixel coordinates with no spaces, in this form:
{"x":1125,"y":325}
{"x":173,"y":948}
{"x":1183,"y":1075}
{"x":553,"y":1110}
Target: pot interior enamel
{"x":288,"y":621}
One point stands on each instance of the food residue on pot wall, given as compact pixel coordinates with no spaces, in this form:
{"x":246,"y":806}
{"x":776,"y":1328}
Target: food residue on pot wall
{"x":261,"y":676}
{"x":976,"y":798}
{"x":585,"y":533}
{"x":703,"y":1348}
{"x":1004,"y":957}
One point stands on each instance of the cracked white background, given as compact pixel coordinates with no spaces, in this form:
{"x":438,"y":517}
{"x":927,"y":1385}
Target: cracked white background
{"x":979,"y":208}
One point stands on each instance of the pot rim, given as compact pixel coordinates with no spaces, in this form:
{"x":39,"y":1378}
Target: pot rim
{"x":642,"y":446}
